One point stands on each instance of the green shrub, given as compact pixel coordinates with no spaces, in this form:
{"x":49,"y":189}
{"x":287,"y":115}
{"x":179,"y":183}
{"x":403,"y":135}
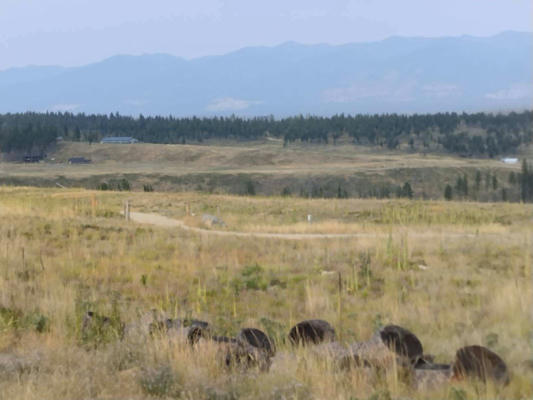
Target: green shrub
{"x":15,"y":319}
{"x":103,"y":186}
{"x":124,"y":185}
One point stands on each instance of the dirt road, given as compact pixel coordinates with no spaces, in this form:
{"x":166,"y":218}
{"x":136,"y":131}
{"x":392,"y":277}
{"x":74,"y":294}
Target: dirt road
{"x":162,"y":221}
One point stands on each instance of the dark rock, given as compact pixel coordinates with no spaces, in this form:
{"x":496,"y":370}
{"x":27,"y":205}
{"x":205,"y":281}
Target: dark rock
{"x":239,"y":355}
{"x":402,"y":342}
{"x":211,"y":220}
{"x":257,"y":338}
{"x":388,"y":346}
{"x":478,"y":362}
{"x":312,"y":331}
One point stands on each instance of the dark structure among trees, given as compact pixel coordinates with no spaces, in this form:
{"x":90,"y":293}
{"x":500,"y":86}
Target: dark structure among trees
{"x":79,"y":160}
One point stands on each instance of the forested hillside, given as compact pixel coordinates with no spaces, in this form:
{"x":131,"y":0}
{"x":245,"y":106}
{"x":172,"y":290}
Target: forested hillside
{"x":479,"y":135}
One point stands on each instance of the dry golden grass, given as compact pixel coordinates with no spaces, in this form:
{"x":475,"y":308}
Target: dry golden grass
{"x":272,"y":167}
{"x":62,"y":252}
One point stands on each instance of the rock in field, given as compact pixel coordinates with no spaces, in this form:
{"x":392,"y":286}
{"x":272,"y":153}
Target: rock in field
{"x":242,"y":356}
{"x":257,"y":338}
{"x":313,"y":331}
{"x":391,"y":344}
{"x":478,"y":362}
{"x":211,"y":220}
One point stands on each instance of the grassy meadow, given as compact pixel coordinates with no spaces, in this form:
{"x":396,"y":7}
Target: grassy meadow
{"x":453,"y":273}
{"x":265,"y":168}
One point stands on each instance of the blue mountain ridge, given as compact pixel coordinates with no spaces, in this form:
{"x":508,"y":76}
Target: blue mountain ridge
{"x":398,"y":74}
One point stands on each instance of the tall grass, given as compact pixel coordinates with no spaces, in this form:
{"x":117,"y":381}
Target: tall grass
{"x":80,"y":254}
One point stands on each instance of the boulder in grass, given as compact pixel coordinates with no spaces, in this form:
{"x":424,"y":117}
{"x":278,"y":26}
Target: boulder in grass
{"x":211,"y":220}
{"x":478,"y":362}
{"x":471,"y":362}
{"x":313,"y":331}
{"x":391,"y":344}
{"x":403,"y":342}
{"x":251,"y":349}
{"x":242,"y":356}
{"x":257,"y":338}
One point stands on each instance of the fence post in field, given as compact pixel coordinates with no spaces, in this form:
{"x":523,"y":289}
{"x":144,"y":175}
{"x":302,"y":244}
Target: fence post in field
{"x":127,"y":210}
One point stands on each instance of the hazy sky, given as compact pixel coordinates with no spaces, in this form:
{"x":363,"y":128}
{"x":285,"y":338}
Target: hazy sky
{"x":75,"y":32}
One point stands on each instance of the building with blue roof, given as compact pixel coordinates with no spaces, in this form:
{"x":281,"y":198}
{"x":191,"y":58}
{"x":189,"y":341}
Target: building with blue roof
{"x":119,"y":139}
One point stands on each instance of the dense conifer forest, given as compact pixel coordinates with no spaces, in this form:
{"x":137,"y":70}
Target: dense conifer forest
{"x":478,"y":135}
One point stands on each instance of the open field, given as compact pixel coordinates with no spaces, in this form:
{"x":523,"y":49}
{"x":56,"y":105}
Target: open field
{"x":453,"y":273}
{"x":265,"y":168}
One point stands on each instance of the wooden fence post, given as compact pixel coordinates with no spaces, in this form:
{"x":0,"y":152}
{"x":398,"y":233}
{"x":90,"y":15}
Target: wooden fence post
{"x":127,"y":210}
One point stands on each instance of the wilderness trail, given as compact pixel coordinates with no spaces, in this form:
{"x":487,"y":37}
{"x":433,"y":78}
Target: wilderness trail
{"x":162,"y":221}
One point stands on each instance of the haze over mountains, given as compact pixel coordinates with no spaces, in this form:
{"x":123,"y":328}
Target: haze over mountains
{"x":403,"y":75}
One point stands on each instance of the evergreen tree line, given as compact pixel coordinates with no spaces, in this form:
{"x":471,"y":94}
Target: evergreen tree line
{"x":479,"y":134}
{"x":379,"y":191}
{"x":520,"y":184}
{"x":26,"y":137}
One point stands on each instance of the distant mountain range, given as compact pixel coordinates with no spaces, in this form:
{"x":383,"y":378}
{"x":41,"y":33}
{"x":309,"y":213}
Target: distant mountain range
{"x":399,"y":74}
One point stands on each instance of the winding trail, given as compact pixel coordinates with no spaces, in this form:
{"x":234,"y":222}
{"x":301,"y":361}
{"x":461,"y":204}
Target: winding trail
{"x":165,"y":222}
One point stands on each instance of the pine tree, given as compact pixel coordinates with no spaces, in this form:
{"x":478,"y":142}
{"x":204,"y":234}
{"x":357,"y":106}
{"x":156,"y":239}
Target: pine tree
{"x":504,"y":194}
{"x":478,"y":180}
{"x":512,"y":178}
{"x":407,"y":191}
{"x":448,"y":192}
{"x":525,"y":182}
